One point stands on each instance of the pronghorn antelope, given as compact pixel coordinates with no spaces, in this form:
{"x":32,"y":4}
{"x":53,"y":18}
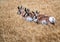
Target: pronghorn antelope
{"x":21,"y":10}
{"x":29,"y":14}
{"x":43,"y":19}
{"x":26,"y":13}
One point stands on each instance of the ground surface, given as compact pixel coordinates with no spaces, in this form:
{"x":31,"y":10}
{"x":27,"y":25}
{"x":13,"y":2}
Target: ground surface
{"x":14,"y":29}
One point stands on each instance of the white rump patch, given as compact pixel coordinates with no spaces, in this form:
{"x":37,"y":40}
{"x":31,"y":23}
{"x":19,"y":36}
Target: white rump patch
{"x":52,"y":19}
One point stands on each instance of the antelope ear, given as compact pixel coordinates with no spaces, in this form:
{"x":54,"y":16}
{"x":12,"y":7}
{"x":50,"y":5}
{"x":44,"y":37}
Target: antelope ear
{"x":32,"y":11}
{"x":21,"y":6}
{"x":18,"y":7}
{"x":28,"y":10}
{"x":37,"y":12}
{"x":25,"y":9}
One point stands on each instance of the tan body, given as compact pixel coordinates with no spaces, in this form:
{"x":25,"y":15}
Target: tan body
{"x":42,"y":17}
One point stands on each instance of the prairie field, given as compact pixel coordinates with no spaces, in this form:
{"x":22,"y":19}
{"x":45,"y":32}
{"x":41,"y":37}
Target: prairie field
{"x":13,"y":28}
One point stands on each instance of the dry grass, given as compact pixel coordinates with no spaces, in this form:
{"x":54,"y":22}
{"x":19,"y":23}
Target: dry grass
{"x":14,"y":29}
